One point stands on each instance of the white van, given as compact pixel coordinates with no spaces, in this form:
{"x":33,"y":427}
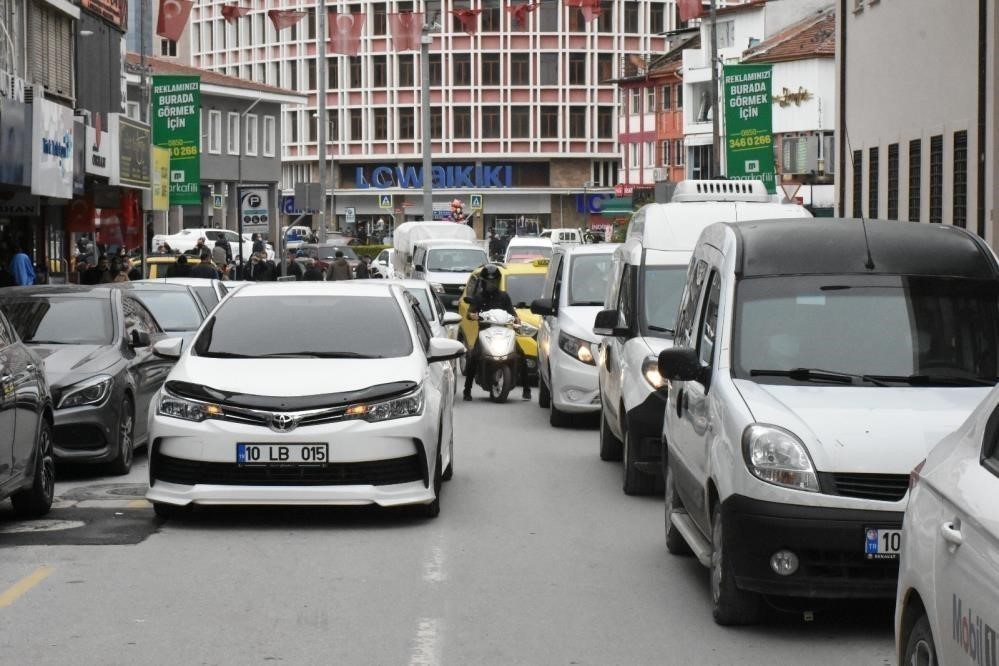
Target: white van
{"x":643,"y":293}
{"x":562,"y":236}
{"x":442,"y":253}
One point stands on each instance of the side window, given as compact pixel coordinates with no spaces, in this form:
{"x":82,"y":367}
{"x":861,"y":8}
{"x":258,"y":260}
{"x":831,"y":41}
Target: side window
{"x":990,"y":445}
{"x":626,"y":296}
{"x":8,"y":335}
{"x":709,"y":320}
{"x":138,"y":318}
{"x":689,"y":300}
{"x":383,"y":257}
{"x":232,"y":236}
{"x":422,"y":326}
{"x":551,"y":279}
{"x":418,"y":256}
{"x":439,"y":306}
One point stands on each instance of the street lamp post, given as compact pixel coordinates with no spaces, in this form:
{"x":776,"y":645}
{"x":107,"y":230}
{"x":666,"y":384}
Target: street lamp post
{"x":428,"y":198}
{"x":321,"y":111}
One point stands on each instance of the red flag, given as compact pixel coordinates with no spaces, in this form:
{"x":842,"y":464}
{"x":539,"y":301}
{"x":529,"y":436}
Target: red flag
{"x":231,"y":13}
{"x":285,"y":18}
{"x":406,"y":28}
{"x":173,"y":18}
{"x":689,"y":9}
{"x":591,"y":9}
{"x":345,"y":33}
{"x":520,"y":12}
{"x":468,"y":19}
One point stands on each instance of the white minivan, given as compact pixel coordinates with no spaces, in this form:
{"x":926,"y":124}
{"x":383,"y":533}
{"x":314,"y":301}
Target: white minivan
{"x":643,"y":290}
{"x":815,"y":364}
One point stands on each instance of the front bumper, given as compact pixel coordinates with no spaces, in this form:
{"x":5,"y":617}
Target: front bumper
{"x":575,"y":385}
{"x":645,"y":427}
{"x":86,"y":434}
{"x":829,"y":543}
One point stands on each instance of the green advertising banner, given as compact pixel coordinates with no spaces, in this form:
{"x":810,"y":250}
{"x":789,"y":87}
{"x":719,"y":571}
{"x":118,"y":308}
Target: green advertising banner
{"x":749,"y":152}
{"x":176,"y":125}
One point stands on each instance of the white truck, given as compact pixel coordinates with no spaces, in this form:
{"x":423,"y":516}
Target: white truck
{"x":442,"y":253}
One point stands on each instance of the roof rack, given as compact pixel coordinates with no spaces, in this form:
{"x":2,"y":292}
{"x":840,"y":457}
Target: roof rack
{"x":721,"y":190}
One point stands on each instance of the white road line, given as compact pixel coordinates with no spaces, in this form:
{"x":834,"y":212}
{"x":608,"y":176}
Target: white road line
{"x":433,"y":569}
{"x":426,"y":650}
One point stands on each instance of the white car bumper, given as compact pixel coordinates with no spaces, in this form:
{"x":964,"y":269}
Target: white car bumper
{"x":575,"y":386}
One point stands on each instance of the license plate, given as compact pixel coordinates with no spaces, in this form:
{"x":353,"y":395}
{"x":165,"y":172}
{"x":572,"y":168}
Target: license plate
{"x":282,"y":454}
{"x":882,"y":544}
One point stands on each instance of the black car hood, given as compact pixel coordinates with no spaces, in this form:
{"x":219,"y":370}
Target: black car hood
{"x":72,"y":362}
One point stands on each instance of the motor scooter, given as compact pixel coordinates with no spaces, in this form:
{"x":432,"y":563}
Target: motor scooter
{"x":498,"y":354}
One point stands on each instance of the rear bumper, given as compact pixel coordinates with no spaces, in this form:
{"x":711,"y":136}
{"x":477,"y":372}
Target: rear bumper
{"x":829,"y":543}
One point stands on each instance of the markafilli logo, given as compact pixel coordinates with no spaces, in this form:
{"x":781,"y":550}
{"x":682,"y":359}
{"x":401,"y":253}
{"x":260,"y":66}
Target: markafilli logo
{"x":973,"y":635}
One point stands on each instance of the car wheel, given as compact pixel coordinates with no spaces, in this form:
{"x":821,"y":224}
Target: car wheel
{"x":544,"y":395}
{"x":675,"y":543}
{"x":729,"y":604}
{"x":164,"y":510}
{"x":501,"y":384}
{"x":920,"y":649}
{"x":37,"y":500}
{"x":126,"y":439}
{"x":635,"y":482}
{"x":610,"y":446}
{"x":559,"y":419}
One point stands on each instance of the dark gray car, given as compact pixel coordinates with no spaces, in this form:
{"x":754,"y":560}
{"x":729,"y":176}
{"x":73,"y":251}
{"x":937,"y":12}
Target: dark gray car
{"x":95,"y":343}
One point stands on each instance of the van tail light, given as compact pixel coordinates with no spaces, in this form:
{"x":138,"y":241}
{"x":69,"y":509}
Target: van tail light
{"x":914,"y":475}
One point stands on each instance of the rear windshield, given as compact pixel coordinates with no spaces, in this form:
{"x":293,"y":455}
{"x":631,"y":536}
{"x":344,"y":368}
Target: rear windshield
{"x":61,"y":320}
{"x":588,"y":279}
{"x":174,"y":310}
{"x":528,"y":253}
{"x":455,"y":261}
{"x":306,"y":327}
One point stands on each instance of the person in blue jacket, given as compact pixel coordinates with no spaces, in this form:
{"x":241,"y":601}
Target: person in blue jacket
{"x":22,"y":269}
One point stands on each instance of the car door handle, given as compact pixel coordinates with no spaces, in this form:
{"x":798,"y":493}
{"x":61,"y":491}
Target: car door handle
{"x":952,"y":535}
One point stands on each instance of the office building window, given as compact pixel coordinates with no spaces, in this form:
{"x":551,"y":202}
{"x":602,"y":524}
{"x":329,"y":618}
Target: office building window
{"x":858,"y":183}
{"x":292,"y":82}
{"x":936,"y":179}
{"x":490,"y":20}
{"x":630,"y":16}
{"x":577,"y":68}
{"x":520,"y":122}
{"x":666,"y":152}
{"x":293,"y":120}
{"x":548,"y":16}
{"x":605,"y":122}
{"x":407,"y":123}
{"x":960,"y":188}
{"x":657,"y":18}
{"x":407,"y":68}
{"x":379,"y":21}
{"x":915,"y":179}
{"x":379,"y":71}
{"x":436,"y":122}
{"x":356,"y":124}
{"x":490,"y":122}
{"x":679,"y":96}
{"x":168,"y":48}
{"x":461,"y":68}
{"x":490,"y":69}
{"x":650,"y":100}
{"x":549,"y":122}
{"x":215,"y":132}
{"x":332,"y":125}
{"x":605,"y":67}
{"x":665,"y":93}
{"x":462,"y":120}
{"x":873,"y":165}
{"x":635,"y":100}
{"x":577,"y":122}
{"x":435,"y":69}
{"x":381,"y":124}
{"x":270,"y":136}
{"x":549,"y":69}
{"x":893,"y":181}
{"x":520,"y":69}
{"x":250,"y":127}
{"x":633,"y":151}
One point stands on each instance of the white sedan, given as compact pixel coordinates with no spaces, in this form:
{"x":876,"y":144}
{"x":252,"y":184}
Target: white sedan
{"x":306,"y":393}
{"x":947,"y":608}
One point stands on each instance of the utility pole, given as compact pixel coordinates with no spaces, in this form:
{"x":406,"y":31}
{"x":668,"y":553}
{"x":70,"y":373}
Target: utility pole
{"x":425,"y":40}
{"x":715,"y":121}
{"x":321,"y":112}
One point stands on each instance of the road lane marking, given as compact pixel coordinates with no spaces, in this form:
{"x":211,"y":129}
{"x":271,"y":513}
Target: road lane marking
{"x":426,"y":643}
{"x":17,"y":590}
{"x":433,"y":570}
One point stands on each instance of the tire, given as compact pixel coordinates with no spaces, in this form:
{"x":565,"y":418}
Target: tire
{"x":463,"y":359}
{"x":559,"y":419}
{"x":635,"y":482}
{"x":675,"y":543}
{"x":164,"y":510}
{"x":544,"y":395}
{"x":501,"y":385}
{"x":920,"y":650}
{"x":730,"y":606}
{"x":126,"y":439}
{"x":36,"y":501}
{"x":610,"y":446}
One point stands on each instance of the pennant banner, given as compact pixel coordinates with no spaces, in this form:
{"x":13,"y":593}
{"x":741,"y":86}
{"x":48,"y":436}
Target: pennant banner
{"x":285,"y":18}
{"x":406,"y":28}
{"x":591,"y":10}
{"x":173,"y":18}
{"x":345,"y":33}
{"x":232,"y":13}
{"x":689,"y":9}
{"x":520,"y":11}
{"x":468,"y":19}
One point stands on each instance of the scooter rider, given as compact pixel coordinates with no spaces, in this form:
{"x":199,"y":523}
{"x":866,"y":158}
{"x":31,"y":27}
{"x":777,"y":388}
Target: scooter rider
{"x":491,"y":297}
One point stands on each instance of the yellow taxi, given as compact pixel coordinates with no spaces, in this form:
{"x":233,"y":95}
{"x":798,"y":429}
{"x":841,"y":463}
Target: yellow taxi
{"x":524,"y":282}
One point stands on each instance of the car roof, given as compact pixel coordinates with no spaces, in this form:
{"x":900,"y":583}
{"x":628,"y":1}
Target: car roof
{"x":45,"y":290}
{"x":524,"y":268}
{"x":189,"y":281}
{"x":589,"y":248}
{"x":529,"y":241}
{"x":451,"y":242}
{"x":306,"y":288}
{"x":833,"y":245}
{"x":151,"y":285}
{"x":407,"y":283}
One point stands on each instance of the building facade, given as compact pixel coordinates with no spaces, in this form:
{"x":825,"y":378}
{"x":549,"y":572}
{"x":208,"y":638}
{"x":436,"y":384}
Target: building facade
{"x":525,"y":116}
{"x":912,"y":147}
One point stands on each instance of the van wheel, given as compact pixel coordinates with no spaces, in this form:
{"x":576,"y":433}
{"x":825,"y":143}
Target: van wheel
{"x":729,"y":605}
{"x":610,"y":446}
{"x":635,"y":482}
{"x":675,"y":543}
{"x":544,"y":395}
{"x":920,"y":649}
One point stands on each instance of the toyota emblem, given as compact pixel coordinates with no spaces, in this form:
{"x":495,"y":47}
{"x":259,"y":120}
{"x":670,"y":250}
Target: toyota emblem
{"x":283,"y":423}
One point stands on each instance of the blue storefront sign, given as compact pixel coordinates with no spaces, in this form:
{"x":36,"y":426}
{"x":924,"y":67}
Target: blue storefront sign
{"x":450,"y":176}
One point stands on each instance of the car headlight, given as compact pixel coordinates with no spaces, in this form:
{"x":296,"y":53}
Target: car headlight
{"x":650,"y":370}
{"x":189,"y":410}
{"x":410,"y":404}
{"x":776,"y":456}
{"x":575,"y":347}
{"x":527,"y":329}
{"x":91,"y":391}
{"x":437,"y":286}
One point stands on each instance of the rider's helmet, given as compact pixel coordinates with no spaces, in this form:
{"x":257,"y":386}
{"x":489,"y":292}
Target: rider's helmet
{"x":490,"y":277}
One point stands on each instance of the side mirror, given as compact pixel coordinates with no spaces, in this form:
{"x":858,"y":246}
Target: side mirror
{"x":169,"y":348}
{"x":140,"y":339}
{"x":451,"y":318}
{"x":682,"y":364}
{"x":444,"y":349}
{"x":543,"y":306}
{"x":606,"y":324}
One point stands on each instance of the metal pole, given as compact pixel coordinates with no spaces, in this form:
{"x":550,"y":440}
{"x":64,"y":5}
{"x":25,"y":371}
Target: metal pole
{"x":715,"y":120}
{"x":321,"y":112}
{"x":428,"y":197}
{"x":144,"y":116}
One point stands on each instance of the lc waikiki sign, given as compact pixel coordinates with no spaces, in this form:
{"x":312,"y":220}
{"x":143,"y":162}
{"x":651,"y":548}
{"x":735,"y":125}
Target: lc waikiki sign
{"x":450,"y":176}
{"x":177,"y":126}
{"x":749,"y":149}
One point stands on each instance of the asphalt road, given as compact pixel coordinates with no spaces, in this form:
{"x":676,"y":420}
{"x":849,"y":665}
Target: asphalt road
{"x":537,"y":558}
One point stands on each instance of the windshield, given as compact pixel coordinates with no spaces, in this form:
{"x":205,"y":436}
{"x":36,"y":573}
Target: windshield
{"x":174,"y":310}
{"x":524,"y":288}
{"x":886,"y":326}
{"x":329,"y":251}
{"x":528,"y":253}
{"x":455,"y":261}
{"x":588,"y":279}
{"x":423,"y":299}
{"x":663,"y":286}
{"x":306,"y":326}
{"x":65,"y":321}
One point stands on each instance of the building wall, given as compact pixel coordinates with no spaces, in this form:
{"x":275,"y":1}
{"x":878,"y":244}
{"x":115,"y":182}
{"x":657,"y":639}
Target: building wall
{"x":817,"y":76}
{"x":99,"y":66}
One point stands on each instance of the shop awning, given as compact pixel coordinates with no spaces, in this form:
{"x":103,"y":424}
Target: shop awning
{"x":617,"y":207}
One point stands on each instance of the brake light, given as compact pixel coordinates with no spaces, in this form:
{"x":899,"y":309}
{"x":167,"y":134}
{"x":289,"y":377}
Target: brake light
{"x":914,"y":475}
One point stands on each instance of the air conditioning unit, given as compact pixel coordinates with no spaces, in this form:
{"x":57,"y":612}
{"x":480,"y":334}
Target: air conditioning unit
{"x":721,"y":190}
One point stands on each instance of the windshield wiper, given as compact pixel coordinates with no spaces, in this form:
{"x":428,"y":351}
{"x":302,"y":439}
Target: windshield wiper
{"x":810,"y":375}
{"x":319,"y":354}
{"x":662,"y":329}
{"x":930,"y":380}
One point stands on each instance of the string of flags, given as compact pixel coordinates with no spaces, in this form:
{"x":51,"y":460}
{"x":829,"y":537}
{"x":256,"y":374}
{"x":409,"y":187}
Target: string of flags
{"x":345,"y":29}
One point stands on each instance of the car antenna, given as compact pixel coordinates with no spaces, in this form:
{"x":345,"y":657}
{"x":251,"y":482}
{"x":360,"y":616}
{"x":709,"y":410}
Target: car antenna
{"x":869,"y":261}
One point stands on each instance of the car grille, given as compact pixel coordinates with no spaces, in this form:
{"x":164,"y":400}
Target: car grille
{"x":838,"y":565}
{"x":883,"y":487}
{"x":79,"y":436}
{"x":375,"y":473}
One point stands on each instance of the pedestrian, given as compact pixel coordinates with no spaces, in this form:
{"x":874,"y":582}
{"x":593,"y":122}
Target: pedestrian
{"x":180,"y":268}
{"x":220,"y":253}
{"x":312,"y":272}
{"x":198,"y":247}
{"x":118,"y":272}
{"x":495,"y":246}
{"x":95,"y":273}
{"x":258,"y":244}
{"x":205,"y":269}
{"x":364,"y":268}
{"x":340,"y":269}
{"x":292,"y":267}
{"x":21,"y":268}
